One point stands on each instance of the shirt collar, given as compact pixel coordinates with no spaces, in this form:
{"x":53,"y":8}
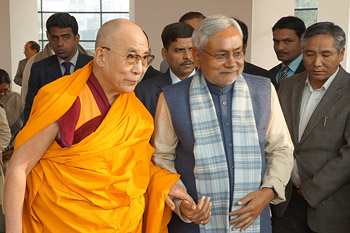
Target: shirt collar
{"x":293,"y":66}
{"x":326,"y":85}
{"x":175,"y":79}
{"x":73,"y":60}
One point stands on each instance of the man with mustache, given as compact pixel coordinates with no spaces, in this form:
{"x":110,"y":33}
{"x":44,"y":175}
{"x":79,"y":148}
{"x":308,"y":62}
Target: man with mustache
{"x":224,"y":132}
{"x":177,"y":51}
{"x":286,"y":43}
{"x":316,"y":106}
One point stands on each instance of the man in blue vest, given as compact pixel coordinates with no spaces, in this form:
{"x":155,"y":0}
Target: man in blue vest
{"x":225,"y":134}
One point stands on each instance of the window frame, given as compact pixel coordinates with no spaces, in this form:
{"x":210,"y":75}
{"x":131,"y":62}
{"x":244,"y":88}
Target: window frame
{"x":42,"y":37}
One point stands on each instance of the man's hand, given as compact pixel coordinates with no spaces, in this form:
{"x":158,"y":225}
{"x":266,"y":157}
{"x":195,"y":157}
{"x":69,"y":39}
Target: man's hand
{"x":178,"y":192}
{"x":257,"y":201}
{"x":200,"y":213}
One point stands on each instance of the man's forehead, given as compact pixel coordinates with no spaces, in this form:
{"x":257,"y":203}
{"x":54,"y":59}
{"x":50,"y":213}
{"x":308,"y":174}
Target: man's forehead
{"x":61,"y":31}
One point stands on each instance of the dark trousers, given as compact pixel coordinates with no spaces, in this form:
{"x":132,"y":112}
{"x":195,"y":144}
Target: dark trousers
{"x":294,"y":219}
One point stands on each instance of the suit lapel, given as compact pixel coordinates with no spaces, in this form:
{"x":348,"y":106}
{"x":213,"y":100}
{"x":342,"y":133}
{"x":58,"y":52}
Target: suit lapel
{"x":54,"y":68}
{"x":163,"y":81}
{"x":330,"y":97}
{"x":297,"y":95}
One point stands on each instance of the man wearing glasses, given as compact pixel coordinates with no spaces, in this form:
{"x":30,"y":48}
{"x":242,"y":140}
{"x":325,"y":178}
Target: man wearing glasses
{"x":83,"y":162}
{"x":225,"y":134}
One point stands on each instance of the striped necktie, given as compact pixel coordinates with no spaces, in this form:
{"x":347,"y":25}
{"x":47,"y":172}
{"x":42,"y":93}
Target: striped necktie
{"x":283,"y":74}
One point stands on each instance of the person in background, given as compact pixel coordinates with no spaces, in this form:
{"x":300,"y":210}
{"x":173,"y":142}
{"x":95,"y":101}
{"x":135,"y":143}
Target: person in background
{"x":12,"y":103}
{"x":286,"y":43}
{"x":191,"y":18}
{"x":63,"y":36}
{"x":177,"y":51}
{"x":30,"y":49}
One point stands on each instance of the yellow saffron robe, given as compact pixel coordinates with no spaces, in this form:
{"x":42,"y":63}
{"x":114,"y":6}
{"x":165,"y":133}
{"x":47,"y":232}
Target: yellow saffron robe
{"x":100,"y":183}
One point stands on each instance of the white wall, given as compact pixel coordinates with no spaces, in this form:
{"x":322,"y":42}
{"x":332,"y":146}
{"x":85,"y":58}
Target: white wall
{"x":154,"y":15}
{"x":265,"y":13}
{"x":337,"y":12}
{"x":19,"y":24}
{"x":259,"y":15}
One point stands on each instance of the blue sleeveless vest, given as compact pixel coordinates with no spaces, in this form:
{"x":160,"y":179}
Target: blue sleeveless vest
{"x":177,"y":98}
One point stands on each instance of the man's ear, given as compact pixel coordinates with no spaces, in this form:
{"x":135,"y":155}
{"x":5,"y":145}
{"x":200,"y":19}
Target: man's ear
{"x":99,"y":57}
{"x":48,"y":35}
{"x":77,"y":37}
{"x":164,"y":53}
{"x":196,"y":57}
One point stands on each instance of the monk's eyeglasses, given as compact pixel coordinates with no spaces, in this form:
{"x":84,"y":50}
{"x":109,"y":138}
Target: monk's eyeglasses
{"x":222,"y":57}
{"x":131,"y":59}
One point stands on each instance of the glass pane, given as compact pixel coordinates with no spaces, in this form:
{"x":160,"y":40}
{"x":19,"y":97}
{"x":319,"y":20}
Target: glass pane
{"x":88,"y":23}
{"x":306,"y":4}
{"x":89,"y":46}
{"x":71,"y":6}
{"x":38,"y":3}
{"x":107,"y":17}
{"x":115,"y":6}
{"x":308,"y":16}
{"x":41,"y":30}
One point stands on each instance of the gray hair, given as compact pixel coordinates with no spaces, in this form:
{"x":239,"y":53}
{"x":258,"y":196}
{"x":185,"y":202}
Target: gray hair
{"x":211,"y":25}
{"x":325,"y":28}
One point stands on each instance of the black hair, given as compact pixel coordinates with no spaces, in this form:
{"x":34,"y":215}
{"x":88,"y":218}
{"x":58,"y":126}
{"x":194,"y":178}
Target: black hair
{"x":290,"y":22}
{"x":4,"y":77}
{"x":191,"y":15}
{"x":34,"y":46}
{"x":175,"y":30}
{"x":326,"y":28}
{"x":62,"y":20}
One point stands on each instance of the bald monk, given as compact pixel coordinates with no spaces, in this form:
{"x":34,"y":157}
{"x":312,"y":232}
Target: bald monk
{"x":83,"y":163}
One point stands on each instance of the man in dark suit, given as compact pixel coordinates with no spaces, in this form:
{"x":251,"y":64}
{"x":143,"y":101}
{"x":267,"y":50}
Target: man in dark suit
{"x":250,"y":68}
{"x":317,"y":111}
{"x":177,"y":51}
{"x":286,"y":43}
{"x":62,"y":33}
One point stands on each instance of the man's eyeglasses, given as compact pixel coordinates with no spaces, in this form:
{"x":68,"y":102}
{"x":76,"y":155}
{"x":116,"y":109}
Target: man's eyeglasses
{"x":5,"y":90}
{"x":131,"y":59}
{"x":222,"y":57}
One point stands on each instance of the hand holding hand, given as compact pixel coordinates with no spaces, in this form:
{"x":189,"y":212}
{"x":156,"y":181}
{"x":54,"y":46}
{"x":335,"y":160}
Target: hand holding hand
{"x":200,"y":213}
{"x":257,"y":201}
{"x":178,"y":192}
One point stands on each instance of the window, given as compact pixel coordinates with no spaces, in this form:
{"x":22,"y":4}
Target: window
{"x":307,"y":11}
{"x":90,"y":15}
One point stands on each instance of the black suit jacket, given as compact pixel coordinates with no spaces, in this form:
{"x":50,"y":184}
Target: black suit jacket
{"x":44,"y":72}
{"x":150,"y":73}
{"x":250,"y":68}
{"x":149,"y":90}
{"x":274,"y":71}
